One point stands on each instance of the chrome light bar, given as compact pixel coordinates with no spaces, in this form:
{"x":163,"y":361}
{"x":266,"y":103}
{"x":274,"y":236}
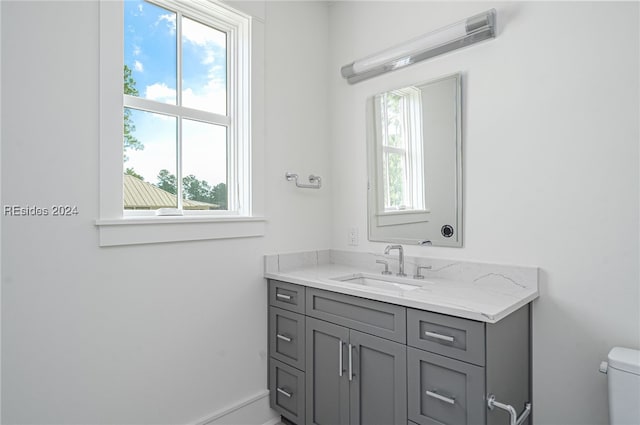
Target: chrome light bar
{"x":469,"y":31}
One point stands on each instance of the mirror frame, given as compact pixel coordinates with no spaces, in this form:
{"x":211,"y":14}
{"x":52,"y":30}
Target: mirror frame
{"x":432,"y":238}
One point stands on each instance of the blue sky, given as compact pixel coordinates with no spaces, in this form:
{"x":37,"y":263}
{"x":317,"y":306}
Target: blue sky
{"x":150,"y":51}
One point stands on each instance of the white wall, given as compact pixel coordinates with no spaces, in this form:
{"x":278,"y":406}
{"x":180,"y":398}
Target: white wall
{"x":550,"y":168}
{"x":297,"y":125}
{"x":166,"y":333}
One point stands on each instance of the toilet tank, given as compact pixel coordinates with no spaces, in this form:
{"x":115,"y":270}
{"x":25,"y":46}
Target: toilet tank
{"x":624,"y":386}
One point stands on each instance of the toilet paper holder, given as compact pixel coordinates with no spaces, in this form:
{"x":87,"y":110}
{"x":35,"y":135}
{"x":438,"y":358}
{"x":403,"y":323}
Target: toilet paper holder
{"x":515,"y":419}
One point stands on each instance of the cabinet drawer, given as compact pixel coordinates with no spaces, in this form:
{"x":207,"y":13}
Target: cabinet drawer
{"x":454,"y":337}
{"x":373,"y":317}
{"x":287,"y":296}
{"x":286,"y":390}
{"x":443,"y":390}
{"x":286,"y":337}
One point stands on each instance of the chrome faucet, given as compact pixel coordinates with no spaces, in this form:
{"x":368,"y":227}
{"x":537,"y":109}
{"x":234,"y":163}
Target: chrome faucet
{"x":400,"y":257}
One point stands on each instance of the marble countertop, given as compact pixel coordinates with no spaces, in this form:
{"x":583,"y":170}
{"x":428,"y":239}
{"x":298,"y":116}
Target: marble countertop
{"x":479,"y":291}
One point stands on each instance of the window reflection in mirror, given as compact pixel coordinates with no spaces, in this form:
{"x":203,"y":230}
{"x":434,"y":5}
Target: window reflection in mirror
{"x":414,"y":163}
{"x":400,"y":138}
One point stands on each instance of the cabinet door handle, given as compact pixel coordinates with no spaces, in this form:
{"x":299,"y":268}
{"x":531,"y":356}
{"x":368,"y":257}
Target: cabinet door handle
{"x":350,"y":362}
{"x":283,"y":296}
{"x":340,"y":366}
{"x":284,"y":338}
{"x":283,"y":392}
{"x":438,"y":336}
{"x":441,"y":397}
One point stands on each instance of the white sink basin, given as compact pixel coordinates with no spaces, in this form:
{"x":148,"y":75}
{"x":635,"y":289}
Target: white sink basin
{"x":389,"y":283}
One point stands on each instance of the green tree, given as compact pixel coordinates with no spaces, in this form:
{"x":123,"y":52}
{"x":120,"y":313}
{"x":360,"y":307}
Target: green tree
{"x":167,"y":181}
{"x":194,"y":189}
{"x":197,"y":190}
{"x":219,"y":192}
{"x":130,"y":141}
{"x":132,"y":172}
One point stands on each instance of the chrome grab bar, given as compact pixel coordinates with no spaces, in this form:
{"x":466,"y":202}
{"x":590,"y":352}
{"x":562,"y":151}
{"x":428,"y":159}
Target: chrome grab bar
{"x":514,"y":419}
{"x":316,"y":181}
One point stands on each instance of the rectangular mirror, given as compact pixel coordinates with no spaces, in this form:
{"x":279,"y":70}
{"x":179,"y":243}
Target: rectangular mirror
{"x":414,"y":149}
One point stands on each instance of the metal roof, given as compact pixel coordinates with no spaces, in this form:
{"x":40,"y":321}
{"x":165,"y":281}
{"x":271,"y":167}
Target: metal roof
{"x":140,"y":195}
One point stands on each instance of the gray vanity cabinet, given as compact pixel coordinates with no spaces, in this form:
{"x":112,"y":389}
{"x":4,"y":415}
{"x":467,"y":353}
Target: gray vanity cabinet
{"x":353,"y":377}
{"x":338,"y":359}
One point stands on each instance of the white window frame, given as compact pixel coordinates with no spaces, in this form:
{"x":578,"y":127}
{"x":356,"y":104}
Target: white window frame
{"x":118,"y":227}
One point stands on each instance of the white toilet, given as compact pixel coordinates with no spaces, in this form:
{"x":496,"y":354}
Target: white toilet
{"x":623,"y":376}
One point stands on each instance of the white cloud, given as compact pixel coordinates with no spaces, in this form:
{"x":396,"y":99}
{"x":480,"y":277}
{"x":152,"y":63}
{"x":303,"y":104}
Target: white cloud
{"x":170,"y":19}
{"x":136,"y":50}
{"x":137,"y":65}
{"x":202,"y":35}
{"x":160,"y":92}
{"x":211,"y":97}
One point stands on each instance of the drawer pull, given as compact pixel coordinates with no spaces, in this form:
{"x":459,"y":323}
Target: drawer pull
{"x":438,"y":336}
{"x":283,"y":296}
{"x":350,"y":362}
{"x":283,"y":392}
{"x":441,"y":397}
{"x":340,"y":365}
{"x":284,"y":338}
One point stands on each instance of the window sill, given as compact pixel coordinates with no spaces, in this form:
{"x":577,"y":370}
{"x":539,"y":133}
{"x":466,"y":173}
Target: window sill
{"x":394,"y":218}
{"x":149,"y":230}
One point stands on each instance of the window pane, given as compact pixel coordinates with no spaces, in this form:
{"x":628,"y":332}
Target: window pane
{"x":204,"y":67}
{"x":395,"y":181}
{"x":149,"y":160}
{"x":395,"y":120}
{"x":150,"y":51}
{"x":204,"y":166}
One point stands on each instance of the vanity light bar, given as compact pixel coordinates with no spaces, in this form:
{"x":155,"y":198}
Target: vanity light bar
{"x":471,"y":30}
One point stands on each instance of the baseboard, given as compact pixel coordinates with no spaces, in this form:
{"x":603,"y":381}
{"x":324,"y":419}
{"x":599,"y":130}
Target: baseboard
{"x":253,"y":410}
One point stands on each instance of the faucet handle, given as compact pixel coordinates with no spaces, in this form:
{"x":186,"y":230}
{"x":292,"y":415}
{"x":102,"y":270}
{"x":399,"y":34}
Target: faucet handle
{"x":419,"y":275}
{"x":386,"y":266}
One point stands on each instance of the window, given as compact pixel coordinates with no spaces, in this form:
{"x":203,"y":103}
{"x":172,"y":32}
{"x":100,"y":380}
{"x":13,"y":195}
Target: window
{"x":179,"y":145}
{"x":175,"y":138}
{"x":401,"y":149}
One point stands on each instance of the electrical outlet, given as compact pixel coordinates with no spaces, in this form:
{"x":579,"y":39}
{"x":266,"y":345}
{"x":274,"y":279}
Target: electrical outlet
{"x":353,"y":236}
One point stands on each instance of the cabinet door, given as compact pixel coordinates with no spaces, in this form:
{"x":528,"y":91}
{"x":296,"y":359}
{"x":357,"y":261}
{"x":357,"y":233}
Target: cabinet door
{"x":444,"y":391}
{"x":286,"y":390}
{"x":378,"y":380}
{"x":286,"y":337}
{"x":326,"y":374}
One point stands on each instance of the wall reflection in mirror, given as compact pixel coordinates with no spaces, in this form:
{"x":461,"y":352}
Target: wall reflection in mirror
{"x":414,"y":151}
